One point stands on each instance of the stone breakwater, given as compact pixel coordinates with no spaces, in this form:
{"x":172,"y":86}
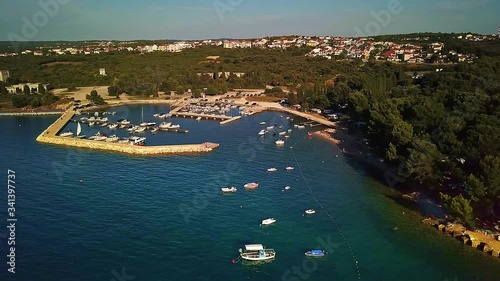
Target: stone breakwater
{"x":50,"y":136}
{"x":127,"y":148}
{"x":478,"y":240}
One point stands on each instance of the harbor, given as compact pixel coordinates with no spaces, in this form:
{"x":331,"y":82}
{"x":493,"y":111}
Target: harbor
{"x":51,"y":136}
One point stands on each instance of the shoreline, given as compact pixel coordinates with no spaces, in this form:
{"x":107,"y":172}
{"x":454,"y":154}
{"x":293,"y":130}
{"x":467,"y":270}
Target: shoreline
{"x":481,"y":241}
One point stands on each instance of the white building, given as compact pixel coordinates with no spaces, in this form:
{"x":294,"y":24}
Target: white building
{"x":4,"y":74}
{"x":102,"y":71}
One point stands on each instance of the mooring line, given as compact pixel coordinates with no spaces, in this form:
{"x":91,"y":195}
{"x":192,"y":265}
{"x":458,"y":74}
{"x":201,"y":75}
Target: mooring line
{"x":356,"y":263}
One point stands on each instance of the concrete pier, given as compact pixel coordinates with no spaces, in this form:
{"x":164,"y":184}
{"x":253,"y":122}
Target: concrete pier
{"x":232,"y":119}
{"x":32,"y":113}
{"x":50,"y":136}
{"x":202,"y":115}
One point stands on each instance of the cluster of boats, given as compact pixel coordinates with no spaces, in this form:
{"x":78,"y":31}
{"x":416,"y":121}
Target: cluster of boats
{"x":289,"y":168}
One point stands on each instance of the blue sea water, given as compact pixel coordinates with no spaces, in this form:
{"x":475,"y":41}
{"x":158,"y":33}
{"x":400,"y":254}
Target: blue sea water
{"x":163,"y":218}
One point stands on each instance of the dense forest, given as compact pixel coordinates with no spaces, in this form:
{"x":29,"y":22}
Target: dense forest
{"x":442,"y":130}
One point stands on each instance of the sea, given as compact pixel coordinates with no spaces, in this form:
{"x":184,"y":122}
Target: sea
{"x":91,"y":215}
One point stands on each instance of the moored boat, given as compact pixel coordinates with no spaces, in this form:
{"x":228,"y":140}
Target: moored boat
{"x":310,"y":211}
{"x":112,"y":138}
{"x":262,"y":132}
{"x":228,"y":189}
{"x":66,"y":134}
{"x":272,"y":170}
{"x":251,"y":185}
{"x":289,"y":168}
{"x":268,"y":221}
{"x":280,"y":142}
{"x":315,"y":253}
{"x":257,"y":252}
{"x":113,"y":126}
{"x":262,"y":123}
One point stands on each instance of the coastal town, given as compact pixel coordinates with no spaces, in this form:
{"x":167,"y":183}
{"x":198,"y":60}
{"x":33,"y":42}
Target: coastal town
{"x":328,"y":47}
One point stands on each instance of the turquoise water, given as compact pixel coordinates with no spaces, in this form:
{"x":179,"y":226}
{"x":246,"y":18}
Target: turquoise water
{"x":163,"y":218}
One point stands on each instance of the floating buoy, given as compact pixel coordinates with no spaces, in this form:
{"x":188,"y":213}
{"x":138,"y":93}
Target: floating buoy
{"x":233,"y":261}
{"x":82,"y":181}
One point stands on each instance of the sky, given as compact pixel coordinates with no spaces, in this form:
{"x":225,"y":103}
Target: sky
{"x":41,"y":20}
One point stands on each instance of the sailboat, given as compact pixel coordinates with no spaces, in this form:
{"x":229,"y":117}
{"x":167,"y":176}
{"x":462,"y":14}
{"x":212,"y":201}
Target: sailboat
{"x":78,"y":131}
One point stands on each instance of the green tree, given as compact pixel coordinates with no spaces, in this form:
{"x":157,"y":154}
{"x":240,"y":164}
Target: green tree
{"x":19,"y":100}
{"x":41,"y":89}
{"x":391,"y":153}
{"x":95,"y":98}
{"x":180,"y":90}
{"x":475,"y":188}
{"x":26,"y":90}
{"x":36,"y":102}
{"x":3,"y":90}
{"x":459,"y":208}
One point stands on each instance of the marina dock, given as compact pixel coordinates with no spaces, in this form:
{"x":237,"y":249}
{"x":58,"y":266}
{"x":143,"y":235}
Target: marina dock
{"x":50,"y":136}
{"x":202,"y":115}
{"x":32,"y":113}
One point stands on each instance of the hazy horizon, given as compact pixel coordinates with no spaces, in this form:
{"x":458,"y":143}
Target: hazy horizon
{"x":78,"y":20}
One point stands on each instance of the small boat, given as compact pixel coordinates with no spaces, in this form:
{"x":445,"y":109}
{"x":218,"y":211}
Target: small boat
{"x":310,"y":211}
{"x":251,"y":185}
{"x":280,"y":142}
{"x":156,"y":115}
{"x":125,"y":122}
{"x":301,"y":127}
{"x":270,"y":127}
{"x":315,"y":253}
{"x":198,"y":119}
{"x":228,"y":189}
{"x":272,"y":170}
{"x":132,"y":129}
{"x":147,"y":124}
{"x":137,"y":141}
{"x":282,"y":133}
{"x":287,"y":187}
{"x":288,"y":118}
{"x":174,"y":126}
{"x":140,"y":130}
{"x":154,"y":130}
{"x":112,"y":138}
{"x":262,"y":132}
{"x":268,"y":221}
{"x":66,"y":134}
{"x":257,"y":252}
{"x":113,"y":126}
{"x":164,"y":125}
{"x":289,"y":168}
{"x":262,"y":123}
{"x":78,"y":131}
{"x":104,"y":124}
{"x":162,"y":115}
{"x":289,"y":130}
{"x":91,"y":123}
{"x":309,"y":134}
{"x":287,"y":136}
{"x":124,"y":141}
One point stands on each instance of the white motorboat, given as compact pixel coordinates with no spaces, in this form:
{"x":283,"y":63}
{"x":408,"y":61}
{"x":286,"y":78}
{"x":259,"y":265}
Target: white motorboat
{"x":257,"y":252}
{"x":164,"y":125}
{"x":289,"y":130}
{"x":268,"y":221}
{"x":280,"y":142}
{"x":112,"y":138}
{"x":154,"y":130}
{"x":288,"y":118}
{"x":289,"y":168}
{"x":251,"y":185}
{"x":66,"y":134}
{"x":137,"y":141}
{"x":287,"y":187}
{"x":140,"y":130}
{"x":125,"y":122}
{"x":287,"y":136}
{"x":163,"y":115}
{"x":104,"y":124}
{"x":228,"y":189}
{"x":113,"y":126}
{"x":272,"y":170}
{"x":270,"y":127}
{"x":198,"y":119}
{"x":132,"y":129}
{"x":262,"y":123}
{"x":91,"y":123}
{"x":124,"y":141}
{"x":101,"y":138}
{"x":310,"y":211}
{"x":282,"y":133}
{"x":174,"y":126}
{"x":301,"y":127}
{"x":262,"y":132}
{"x":147,"y":124}
{"x":156,"y":115}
